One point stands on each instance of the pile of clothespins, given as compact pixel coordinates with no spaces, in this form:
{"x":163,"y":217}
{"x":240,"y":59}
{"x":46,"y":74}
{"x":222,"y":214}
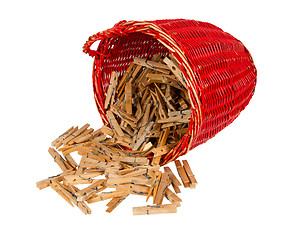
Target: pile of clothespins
{"x":148,"y":111}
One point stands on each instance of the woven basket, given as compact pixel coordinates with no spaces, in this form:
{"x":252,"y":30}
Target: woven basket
{"x":218,"y":69}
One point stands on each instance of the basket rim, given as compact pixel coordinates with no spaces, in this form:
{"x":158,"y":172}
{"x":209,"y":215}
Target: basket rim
{"x":123,"y":28}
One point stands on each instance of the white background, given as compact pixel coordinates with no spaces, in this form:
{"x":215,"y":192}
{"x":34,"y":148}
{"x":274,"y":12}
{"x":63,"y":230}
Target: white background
{"x":46,"y":87}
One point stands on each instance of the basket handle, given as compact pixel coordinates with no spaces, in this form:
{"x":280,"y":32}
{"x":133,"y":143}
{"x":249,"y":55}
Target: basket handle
{"x":118,"y":29}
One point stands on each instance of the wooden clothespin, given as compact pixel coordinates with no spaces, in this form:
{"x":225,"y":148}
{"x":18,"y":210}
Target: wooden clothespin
{"x":86,"y":178}
{"x":114,"y":124}
{"x":128,"y":98}
{"x":183,"y":104}
{"x":175,"y":70}
{"x":57,"y":189}
{"x":70,"y":195}
{"x":59,"y":160}
{"x":182,"y":173}
{"x":129,"y":119}
{"x":114,"y":202}
{"x":94,"y":188}
{"x":71,"y":161}
{"x":154,"y":185}
{"x":152,"y":65}
{"x":169,"y":105}
{"x":86,"y":135}
{"x":75,"y":134}
{"x":172,"y":197}
{"x":153,"y":209}
{"x":175,"y":182}
{"x":163,"y":184}
{"x":160,"y":151}
{"x":107,"y":195}
{"x":46,"y":182}
{"x":143,"y":137}
{"x":161,"y":142}
{"x":125,"y":77}
{"x":60,"y":141}
{"x":160,"y":103}
{"x":190,"y":174}
{"x":135,"y":189}
{"x":111,"y":89}
{"x":61,"y":137}
{"x":135,"y":160}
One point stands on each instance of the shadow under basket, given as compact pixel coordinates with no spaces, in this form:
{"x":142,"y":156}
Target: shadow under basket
{"x":218,"y":70}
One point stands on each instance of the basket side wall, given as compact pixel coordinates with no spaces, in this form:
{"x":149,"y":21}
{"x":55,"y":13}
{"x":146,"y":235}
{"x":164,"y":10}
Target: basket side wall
{"x":225,"y":72}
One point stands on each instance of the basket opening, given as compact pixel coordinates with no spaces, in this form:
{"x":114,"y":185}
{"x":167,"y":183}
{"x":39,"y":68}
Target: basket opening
{"x":121,"y":51}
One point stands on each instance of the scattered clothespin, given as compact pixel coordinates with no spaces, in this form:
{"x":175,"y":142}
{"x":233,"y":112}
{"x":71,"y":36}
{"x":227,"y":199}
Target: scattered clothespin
{"x":153,"y":209}
{"x":59,"y":160}
{"x":190,"y":174}
{"x":62,"y":137}
{"x":182,"y":173}
{"x":46,"y":182}
{"x":172,"y":197}
{"x":163,"y":184}
{"x":75,"y":134}
{"x":107,"y":195}
{"x":115,"y":202}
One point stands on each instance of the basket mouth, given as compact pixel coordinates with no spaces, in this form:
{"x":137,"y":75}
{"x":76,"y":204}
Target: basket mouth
{"x":116,"y":52}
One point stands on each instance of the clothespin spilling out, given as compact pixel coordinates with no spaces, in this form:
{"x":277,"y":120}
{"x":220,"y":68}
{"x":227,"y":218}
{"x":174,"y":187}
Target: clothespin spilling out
{"x":148,"y":112}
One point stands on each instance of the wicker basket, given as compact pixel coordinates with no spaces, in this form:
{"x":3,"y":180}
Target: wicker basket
{"x":218,"y":69}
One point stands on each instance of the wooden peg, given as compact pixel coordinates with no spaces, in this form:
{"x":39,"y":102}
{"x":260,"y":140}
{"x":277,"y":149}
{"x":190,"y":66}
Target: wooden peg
{"x":128,"y":98}
{"x":169,"y":105}
{"x":124,"y":116}
{"x":135,"y":189}
{"x":176,"y":71}
{"x":58,"y":159}
{"x":161,"y":142}
{"x":182,"y":173}
{"x":61,"y":193}
{"x":152,"y":65}
{"x":96,"y":186}
{"x":143,"y":137}
{"x":46,"y":182}
{"x":82,"y":135}
{"x":81,"y":178}
{"x":71,"y":161}
{"x":156,"y":185}
{"x":125,"y":76}
{"x":172,"y":176}
{"x":160,"y":151}
{"x":60,"y":143}
{"x":172,"y":197}
{"x":111,"y":88}
{"x":189,"y":173}
{"x":81,"y":205}
{"x":153,"y":209}
{"x":107,"y":195}
{"x":61,"y":137}
{"x":135,"y":160}
{"x":176,"y":119}
{"x":114,"y":124}
{"x":75,"y":134}
{"x":115,"y":202}
{"x":163,"y":184}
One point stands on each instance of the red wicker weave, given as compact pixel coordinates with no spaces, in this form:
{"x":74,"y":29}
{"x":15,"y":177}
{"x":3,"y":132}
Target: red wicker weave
{"x":218,"y":69}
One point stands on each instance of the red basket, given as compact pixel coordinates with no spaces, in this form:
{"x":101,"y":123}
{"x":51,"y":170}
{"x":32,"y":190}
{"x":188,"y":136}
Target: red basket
{"x":218,"y":69}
